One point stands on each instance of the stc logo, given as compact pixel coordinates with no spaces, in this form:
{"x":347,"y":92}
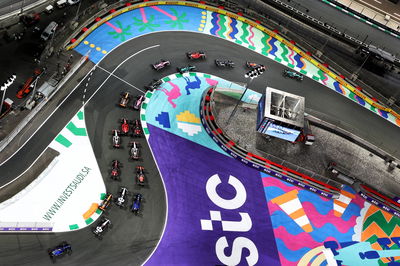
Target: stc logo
{"x":242,"y":225}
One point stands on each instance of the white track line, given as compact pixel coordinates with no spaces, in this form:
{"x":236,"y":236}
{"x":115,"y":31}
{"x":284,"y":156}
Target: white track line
{"x":34,"y":133}
{"x":126,"y":82}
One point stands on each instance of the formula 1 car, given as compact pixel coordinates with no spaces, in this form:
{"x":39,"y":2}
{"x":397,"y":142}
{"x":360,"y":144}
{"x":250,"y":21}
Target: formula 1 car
{"x":140,"y":177}
{"x":106,"y":202}
{"x":292,"y":74}
{"x":124,"y":126}
{"x":124,"y":100}
{"x":161,"y":64}
{"x":136,"y":129}
{"x":121,"y":200}
{"x":224,"y":63}
{"x":59,"y":251}
{"x":252,"y":65}
{"x":153,"y":85}
{"x":137,"y":200}
{"x":196,"y":55}
{"x":134,"y":151}
{"x":138,"y":102}
{"x":186,"y":69}
{"x":102,"y":227}
{"x":116,"y":139}
{"x":115,"y":170}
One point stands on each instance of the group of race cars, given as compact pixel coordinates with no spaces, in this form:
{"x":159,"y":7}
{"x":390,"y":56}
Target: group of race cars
{"x":127,"y":128}
{"x":221,"y":63}
{"x":133,"y":128}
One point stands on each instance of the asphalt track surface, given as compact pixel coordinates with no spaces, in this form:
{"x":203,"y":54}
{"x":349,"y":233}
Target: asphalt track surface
{"x":352,"y":26}
{"x":132,"y":238}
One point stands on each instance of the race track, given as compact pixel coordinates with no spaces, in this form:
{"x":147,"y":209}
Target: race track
{"x":133,"y":238}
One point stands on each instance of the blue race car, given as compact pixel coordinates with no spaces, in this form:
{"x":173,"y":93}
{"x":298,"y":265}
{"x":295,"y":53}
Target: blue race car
{"x":137,"y":199}
{"x":59,"y":251}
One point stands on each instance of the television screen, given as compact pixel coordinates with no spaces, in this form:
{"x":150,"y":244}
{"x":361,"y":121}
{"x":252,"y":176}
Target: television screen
{"x":281,"y":132}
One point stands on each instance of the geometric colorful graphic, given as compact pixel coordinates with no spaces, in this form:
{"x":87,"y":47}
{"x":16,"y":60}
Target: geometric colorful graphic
{"x":163,"y":119}
{"x":188,"y":123}
{"x":290,"y":204}
{"x":340,"y":204}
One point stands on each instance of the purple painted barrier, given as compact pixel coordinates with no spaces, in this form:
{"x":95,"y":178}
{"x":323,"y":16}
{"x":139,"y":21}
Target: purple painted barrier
{"x":26,"y":229}
{"x":217,"y":212}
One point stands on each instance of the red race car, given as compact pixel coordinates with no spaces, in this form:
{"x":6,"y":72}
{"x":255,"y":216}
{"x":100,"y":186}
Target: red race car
{"x":115,"y":170}
{"x":140,"y":177}
{"x":196,"y":55}
{"x":252,"y":65}
{"x":137,"y":129}
{"x":124,"y":126}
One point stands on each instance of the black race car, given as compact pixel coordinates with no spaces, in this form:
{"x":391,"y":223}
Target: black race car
{"x":136,"y":204}
{"x":122,"y":197}
{"x":140,"y":177}
{"x":136,"y":129}
{"x":102,"y":227}
{"x":224,"y":63}
{"x":59,"y":251}
{"x":196,"y":55}
{"x":116,"y":170}
{"x":134,"y":151}
{"x":153,"y":85}
{"x":116,"y":139}
{"x":160,"y":65}
{"x":186,"y":69}
{"x":124,"y":100}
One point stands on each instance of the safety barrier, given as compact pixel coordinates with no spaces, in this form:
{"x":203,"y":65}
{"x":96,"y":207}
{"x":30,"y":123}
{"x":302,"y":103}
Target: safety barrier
{"x":379,"y":200}
{"x":258,"y":162}
{"x":25,"y":227}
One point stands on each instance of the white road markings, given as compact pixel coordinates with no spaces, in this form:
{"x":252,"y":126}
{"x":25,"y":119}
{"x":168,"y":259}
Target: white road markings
{"x":136,"y":88}
{"x":115,"y":69}
{"x":58,"y":106}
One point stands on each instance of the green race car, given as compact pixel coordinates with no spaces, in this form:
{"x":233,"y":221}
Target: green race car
{"x":292,"y":74}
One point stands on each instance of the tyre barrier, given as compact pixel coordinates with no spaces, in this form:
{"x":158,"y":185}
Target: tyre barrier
{"x":271,"y":168}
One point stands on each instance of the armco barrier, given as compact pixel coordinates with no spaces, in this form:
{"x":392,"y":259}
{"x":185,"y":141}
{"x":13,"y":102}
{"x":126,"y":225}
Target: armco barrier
{"x":315,"y":61}
{"x":257,"y":162}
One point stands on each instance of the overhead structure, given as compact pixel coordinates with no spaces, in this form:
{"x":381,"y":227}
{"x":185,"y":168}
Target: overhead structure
{"x":281,"y":114}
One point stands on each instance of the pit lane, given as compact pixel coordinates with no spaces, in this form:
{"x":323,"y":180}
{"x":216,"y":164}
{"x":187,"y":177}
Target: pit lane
{"x":132,"y":240}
